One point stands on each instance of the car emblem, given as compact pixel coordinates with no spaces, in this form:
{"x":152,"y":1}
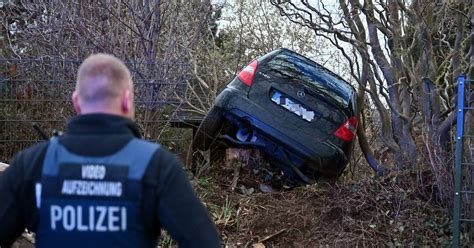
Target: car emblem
{"x":300,"y":94}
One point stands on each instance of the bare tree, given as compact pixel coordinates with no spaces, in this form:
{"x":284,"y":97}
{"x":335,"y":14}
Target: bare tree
{"x":240,"y":31}
{"x":155,"y":35}
{"x":405,"y":56}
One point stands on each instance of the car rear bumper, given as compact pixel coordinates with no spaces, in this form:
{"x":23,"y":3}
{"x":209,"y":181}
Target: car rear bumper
{"x":323,"y":157}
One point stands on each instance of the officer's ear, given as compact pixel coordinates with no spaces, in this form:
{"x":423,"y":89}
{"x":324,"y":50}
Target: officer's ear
{"x":127,"y":103}
{"x":75,"y":102}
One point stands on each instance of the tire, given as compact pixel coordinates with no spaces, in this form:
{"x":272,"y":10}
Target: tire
{"x":209,"y":129}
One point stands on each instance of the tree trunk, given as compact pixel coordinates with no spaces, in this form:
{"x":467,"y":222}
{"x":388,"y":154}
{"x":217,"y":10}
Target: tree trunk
{"x":393,"y":93}
{"x":358,"y":29}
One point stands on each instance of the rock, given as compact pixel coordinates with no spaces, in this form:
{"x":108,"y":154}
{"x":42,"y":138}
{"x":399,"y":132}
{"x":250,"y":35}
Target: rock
{"x":246,"y":191}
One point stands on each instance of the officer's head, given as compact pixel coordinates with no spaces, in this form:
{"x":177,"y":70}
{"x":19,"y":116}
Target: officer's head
{"x":104,"y":85}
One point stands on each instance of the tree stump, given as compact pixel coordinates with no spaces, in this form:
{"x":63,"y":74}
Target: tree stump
{"x":236,"y":158}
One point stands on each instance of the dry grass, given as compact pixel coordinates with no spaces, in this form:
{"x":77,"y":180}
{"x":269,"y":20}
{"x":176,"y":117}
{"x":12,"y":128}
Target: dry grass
{"x":393,"y":211}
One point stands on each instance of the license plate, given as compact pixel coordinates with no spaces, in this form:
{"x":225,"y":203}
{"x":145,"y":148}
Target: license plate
{"x":293,"y":106}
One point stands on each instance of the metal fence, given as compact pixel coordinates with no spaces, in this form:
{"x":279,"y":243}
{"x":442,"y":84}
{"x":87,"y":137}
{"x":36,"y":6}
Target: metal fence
{"x":463,"y":211}
{"x":39,"y":90}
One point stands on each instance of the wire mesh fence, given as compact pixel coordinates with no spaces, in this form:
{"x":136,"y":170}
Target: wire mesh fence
{"x":38,"y":90}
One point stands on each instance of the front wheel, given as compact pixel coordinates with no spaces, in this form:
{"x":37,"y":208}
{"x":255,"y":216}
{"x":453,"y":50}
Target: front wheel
{"x":207,"y":132}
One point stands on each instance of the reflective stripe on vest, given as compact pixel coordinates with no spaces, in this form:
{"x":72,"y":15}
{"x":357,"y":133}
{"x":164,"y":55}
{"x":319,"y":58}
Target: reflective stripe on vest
{"x":93,"y":201}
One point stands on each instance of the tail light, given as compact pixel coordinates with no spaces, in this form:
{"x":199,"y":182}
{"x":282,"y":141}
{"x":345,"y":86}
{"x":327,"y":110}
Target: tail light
{"x":347,"y":130}
{"x":246,"y":75}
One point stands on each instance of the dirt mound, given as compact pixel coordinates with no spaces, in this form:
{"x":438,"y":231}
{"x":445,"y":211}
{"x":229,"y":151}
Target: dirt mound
{"x":386,"y":212}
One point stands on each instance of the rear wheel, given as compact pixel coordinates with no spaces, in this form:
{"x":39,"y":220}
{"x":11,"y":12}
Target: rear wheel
{"x":207,"y":132}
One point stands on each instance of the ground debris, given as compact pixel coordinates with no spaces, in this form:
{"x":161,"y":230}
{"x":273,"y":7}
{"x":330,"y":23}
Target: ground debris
{"x":383,"y":212}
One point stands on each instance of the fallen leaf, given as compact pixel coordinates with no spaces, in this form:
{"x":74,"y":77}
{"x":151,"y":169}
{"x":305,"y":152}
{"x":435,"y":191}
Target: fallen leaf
{"x":258,"y":245}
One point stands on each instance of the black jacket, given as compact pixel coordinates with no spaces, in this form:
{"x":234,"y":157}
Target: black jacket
{"x":165,"y":184}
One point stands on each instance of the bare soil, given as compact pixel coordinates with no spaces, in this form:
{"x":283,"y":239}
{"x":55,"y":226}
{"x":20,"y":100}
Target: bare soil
{"x":369,"y":212}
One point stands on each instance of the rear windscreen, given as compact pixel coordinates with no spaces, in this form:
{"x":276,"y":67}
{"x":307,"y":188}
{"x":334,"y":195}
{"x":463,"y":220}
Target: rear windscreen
{"x":290,"y":67}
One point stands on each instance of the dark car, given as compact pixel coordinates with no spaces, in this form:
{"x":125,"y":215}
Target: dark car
{"x":300,"y":114}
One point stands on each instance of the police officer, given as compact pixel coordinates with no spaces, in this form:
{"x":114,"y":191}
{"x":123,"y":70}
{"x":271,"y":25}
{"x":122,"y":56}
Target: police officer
{"x":100,"y":185}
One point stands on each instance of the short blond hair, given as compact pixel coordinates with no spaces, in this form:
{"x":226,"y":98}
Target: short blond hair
{"x":101,"y":78}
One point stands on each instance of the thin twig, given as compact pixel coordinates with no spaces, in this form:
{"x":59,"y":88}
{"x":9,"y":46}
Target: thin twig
{"x":271,"y":236}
